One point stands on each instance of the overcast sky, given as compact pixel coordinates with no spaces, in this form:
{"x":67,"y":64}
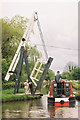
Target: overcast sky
{"x":59,"y":23}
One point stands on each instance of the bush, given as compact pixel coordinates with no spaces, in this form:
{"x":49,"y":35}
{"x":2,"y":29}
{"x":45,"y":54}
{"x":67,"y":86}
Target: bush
{"x":66,"y":75}
{"x":9,"y":85}
{"x":75,"y":74}
{"x":5,"y":66}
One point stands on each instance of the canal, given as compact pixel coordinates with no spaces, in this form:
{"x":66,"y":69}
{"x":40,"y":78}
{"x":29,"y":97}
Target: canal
{"x":37,"y":109}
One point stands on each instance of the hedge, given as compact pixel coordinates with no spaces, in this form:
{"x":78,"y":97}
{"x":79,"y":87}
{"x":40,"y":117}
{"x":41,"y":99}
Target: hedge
{"x":8,"y":85}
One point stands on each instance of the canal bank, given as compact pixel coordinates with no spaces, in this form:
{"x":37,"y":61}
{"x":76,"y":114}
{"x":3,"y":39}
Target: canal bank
{"x":23,"y":97}
{"x":8,"y":96}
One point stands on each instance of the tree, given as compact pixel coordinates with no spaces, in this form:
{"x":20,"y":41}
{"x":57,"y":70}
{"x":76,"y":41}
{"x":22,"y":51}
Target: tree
{"x":70,"y":66}
{"x":66,"y":75}
{"x":75,"y":74}
{"x":34,"y":54}
{"x":50,"y":75}
{"x":12,"y":31}
{"x":5,"y":66}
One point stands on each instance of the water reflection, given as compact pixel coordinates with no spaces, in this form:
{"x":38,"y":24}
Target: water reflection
{"x":25,"y":109}
{"x":37,"y":109}
{"x":64,"y":112}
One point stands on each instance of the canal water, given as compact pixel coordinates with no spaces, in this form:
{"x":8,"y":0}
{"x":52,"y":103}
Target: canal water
{"x":37,"y":109}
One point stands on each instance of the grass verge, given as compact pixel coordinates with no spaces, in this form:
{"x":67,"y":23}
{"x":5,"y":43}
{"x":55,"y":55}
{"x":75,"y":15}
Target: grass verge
{"x":76,"y":89}
{"x":8,"y":96}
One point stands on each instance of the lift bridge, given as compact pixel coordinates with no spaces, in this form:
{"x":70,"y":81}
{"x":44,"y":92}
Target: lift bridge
{"x":21,"y":55}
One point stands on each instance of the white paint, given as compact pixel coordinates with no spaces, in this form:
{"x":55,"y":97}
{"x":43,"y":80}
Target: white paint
{"x":59,"y":99}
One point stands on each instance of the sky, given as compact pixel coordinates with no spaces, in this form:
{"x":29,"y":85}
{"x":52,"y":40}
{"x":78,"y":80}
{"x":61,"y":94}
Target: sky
{"x":59,"y":24}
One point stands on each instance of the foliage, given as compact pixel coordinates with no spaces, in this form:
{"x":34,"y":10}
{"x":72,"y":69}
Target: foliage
{"x":71,"y":71}
{"x":5,"y":66}
{"x":33,"y":50}
{"x":50,"y":75}
{"x":10,"y":84}
{"x":75,"y":74}
{"x":12,"y":32}
{"x":45,"y":87}
{"x":70,"y":66}
{"x":66,"y":75}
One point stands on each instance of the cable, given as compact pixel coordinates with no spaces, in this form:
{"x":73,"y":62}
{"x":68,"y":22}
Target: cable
{"x":57,"y":47}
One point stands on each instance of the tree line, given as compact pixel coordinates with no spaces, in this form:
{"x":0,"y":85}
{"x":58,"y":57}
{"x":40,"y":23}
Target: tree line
{"x":72,"y":71}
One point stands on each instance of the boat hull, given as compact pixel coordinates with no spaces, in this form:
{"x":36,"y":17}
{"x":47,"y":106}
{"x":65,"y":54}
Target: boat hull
{"x":66,"y":101}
